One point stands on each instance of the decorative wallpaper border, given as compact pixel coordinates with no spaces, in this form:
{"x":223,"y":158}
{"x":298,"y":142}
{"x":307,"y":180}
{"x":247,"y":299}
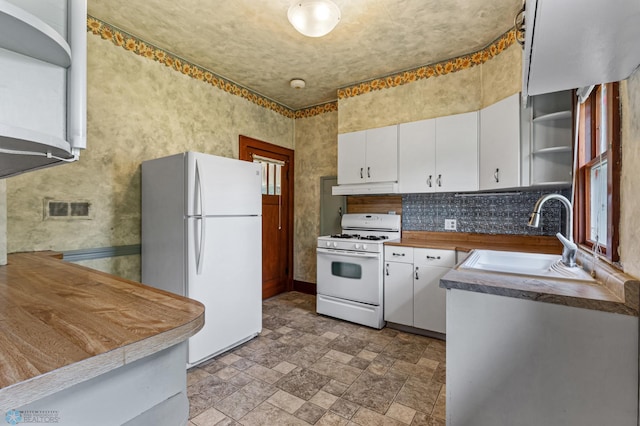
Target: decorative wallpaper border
{"x":441,"y":68}
{"x":135,"y":45}
{"x":142,"y":48}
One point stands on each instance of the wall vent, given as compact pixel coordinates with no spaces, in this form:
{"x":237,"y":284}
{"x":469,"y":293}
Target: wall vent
{"x":58,"y":209}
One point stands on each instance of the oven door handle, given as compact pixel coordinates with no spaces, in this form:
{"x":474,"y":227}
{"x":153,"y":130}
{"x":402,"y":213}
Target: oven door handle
{"x":346,"y":253}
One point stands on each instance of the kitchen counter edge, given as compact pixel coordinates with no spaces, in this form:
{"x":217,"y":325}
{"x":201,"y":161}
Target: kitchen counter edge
{"x":47,"y":383}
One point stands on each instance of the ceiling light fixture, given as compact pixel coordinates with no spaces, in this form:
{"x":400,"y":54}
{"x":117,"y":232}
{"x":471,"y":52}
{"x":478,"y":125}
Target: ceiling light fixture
{"x":297,"y":83}
{"x":314,"y":18}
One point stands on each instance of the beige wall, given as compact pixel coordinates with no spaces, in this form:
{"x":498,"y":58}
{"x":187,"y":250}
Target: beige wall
{"x":502,"y":76}
{"x":630,"y":184}
{"x":137,"y":109}
{"x":316,"y":155}
{"x":462,"y":91}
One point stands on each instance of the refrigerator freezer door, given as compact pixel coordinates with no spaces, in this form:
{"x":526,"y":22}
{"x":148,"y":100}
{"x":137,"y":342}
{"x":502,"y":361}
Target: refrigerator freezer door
{"x":229,"y":282}
{"x":220,"y":186}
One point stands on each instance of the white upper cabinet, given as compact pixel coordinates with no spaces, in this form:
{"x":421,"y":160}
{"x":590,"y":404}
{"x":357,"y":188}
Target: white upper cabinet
{"x":382,"y":154}
{"x":457,"y":152}
{"x":573,"y":43}
{"x":368,"y":156}
{"x":439,"y":155}
{"x":500,"y":144}
{"x":43,"y":75}
{"x":417,"y":156}
{"x":351,"y":157}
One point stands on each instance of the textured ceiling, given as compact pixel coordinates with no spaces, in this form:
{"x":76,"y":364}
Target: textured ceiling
{"x":252,"y":43}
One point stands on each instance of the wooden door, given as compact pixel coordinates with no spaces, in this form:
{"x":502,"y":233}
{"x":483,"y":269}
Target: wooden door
{"x":277,"y":213}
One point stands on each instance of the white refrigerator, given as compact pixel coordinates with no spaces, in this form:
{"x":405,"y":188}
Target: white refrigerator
{"x":202,"y":238}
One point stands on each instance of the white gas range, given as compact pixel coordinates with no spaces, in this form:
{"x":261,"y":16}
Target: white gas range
{"x":349,"y":278}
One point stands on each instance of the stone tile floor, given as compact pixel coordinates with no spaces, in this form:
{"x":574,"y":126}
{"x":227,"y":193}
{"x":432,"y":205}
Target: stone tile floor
{"x":309,"y":369}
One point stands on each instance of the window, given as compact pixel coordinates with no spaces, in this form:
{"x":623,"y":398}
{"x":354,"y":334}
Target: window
{"x":597,"y":204}
{"x":271,"y":175}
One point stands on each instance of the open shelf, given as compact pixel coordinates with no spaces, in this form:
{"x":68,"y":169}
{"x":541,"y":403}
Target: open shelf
{"x":560,"y":115}
{"x":24,"y":33}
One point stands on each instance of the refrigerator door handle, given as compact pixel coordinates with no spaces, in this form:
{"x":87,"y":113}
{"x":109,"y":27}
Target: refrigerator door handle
{"x":199,"y":184}
{"x":203,"y":234}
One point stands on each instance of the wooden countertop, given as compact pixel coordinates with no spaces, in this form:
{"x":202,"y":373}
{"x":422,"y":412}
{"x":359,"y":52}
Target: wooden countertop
{"x":63,"y":324}
{"x":463,"y":241}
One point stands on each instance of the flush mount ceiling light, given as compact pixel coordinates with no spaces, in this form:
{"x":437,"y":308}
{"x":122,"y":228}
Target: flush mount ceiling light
{"x":314,"y":18}
{"x":297,"y":83}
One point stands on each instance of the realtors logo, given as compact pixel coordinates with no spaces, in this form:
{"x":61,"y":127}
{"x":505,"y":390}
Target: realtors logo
{"x":14,"y":417}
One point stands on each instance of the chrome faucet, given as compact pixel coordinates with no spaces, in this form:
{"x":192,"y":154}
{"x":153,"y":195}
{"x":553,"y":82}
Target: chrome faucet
{"x":570,"y":249}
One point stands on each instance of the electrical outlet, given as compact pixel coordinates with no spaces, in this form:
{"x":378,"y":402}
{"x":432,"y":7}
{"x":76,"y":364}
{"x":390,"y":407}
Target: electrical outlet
{"x":450,"y":224}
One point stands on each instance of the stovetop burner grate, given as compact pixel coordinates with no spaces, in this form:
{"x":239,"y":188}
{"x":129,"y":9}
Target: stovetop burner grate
{"x":345,"y":236}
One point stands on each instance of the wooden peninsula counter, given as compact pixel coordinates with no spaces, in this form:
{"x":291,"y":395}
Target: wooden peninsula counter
{"x":91,"y":348}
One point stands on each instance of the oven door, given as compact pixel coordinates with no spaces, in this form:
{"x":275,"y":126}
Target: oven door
{"x":350,"y":275}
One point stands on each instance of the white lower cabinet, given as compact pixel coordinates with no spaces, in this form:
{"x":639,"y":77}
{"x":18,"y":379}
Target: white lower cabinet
{"x":523,"y":362}
{"x":429,"y":300}
{"x":398,"y":285}
{"x":412,"y":293}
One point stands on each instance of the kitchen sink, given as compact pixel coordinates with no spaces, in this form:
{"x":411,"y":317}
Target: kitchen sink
{"x":532,"y":264}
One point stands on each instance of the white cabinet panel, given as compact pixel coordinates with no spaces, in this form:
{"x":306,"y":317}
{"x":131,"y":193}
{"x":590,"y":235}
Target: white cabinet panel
{"x":382,"y":154}
{"x":398,"y":292}
{"x":368,"y":156}
{"x":429,"y":300}
{"x":457,"y":152}
{"x":351,"y":157}
{"x":417,"y":156}
{"x":500,"y":144}
{"x":539,"y":363}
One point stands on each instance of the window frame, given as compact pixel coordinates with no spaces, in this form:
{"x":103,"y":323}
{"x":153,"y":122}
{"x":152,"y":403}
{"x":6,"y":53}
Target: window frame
{"x":588,"y":140}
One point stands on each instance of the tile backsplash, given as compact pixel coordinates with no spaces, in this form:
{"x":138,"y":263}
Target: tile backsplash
{"x":493,"y":213}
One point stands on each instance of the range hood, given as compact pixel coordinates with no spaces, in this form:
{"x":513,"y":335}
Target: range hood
{"x":378,"y":188}
{"x":573,"y":43}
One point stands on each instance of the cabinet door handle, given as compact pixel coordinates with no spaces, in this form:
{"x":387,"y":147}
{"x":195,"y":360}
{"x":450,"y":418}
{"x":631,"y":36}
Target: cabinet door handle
{"x":433,"y":257}
{"x":429,"y":181}
{"x":495,"y":175}
{"x":398,"y":254}
{"x":361,"y":170}
{"x":387,"y":269}
{"x":368,"y":172}
{"x":439,"y":180}
{"x":417,"y":273}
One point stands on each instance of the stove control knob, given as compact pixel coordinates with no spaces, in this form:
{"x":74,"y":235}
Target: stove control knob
{"x":357,"y":246}
{"x":328,"y":244}
{"x":335,"y":244}
{"x":364,"y":247}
